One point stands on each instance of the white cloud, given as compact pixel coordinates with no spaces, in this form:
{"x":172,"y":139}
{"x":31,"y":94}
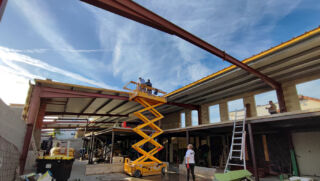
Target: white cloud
{"x":39,"y":15}
{"x":238,"y":27}
{"x":45,"y":50}
{"x":15,"y":76}
{"x":14,"y":87}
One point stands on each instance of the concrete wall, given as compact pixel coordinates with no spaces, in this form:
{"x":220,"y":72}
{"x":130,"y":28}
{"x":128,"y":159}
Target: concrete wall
{"x":12,"y":131}
{"x":309,"y":104}
{"x":205,"y":114}
{"x":12,"y":127}
{"x":171,"y":121}
{"x":291,"y":97}
{"x":9,"y":160}
{"x":188,"y":118}
{"x":307,"y":148}
{"x":224,"y":111}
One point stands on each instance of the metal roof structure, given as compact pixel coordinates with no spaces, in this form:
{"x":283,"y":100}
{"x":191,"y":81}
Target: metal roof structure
{"x":292,"y":60}
{"x":73,"y":102}
{"x":103,"y":103}
{"x":299,"y":57}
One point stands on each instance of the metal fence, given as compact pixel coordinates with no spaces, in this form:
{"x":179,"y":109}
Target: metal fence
{"x":9,"y":160}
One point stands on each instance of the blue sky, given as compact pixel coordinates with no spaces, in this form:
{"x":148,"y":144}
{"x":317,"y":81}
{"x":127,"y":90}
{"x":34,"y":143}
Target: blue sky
{"x":73,"y":42}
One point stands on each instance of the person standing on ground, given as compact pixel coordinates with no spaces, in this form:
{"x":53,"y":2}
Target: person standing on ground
{"x":273,"y":108}
{"x":149,"y":84}
{"x":190,"y":163}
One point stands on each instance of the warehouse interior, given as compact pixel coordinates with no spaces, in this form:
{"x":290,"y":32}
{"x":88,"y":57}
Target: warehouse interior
{"x":201,"y":113}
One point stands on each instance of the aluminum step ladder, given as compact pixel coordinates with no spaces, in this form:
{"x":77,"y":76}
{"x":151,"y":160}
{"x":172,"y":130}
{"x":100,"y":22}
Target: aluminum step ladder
{"x":237,"y":155}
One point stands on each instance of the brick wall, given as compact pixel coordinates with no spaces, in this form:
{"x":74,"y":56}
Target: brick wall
{"x":171,"y":121}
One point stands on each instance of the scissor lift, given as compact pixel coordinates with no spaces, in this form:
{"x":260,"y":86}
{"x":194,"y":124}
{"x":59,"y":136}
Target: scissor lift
{"x":146,"y":164}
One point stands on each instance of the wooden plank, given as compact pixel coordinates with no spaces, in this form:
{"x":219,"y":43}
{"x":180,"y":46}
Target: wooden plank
{"x":265,"y":148}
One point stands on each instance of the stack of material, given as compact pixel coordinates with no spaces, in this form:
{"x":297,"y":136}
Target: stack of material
{"x":61,"y":151}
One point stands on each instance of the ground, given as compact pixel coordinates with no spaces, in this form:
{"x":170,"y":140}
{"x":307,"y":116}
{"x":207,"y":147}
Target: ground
{"x":79,"y":167}
{"x":78,"y":173}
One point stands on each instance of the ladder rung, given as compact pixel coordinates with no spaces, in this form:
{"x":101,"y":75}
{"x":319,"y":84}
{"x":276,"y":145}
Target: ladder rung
{"x":237,"y":144}
{"x":236,"y":164}
{"x":236,"y":150}
{"x":239,"y":126}
{"x":237,"y":132}
{"x":236,"y":157}
{"x":237,"y":138}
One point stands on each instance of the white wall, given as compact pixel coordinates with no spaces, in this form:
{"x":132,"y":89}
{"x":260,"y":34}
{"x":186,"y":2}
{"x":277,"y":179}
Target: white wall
{"x":307,"y":148}
{"x":12,"y":127}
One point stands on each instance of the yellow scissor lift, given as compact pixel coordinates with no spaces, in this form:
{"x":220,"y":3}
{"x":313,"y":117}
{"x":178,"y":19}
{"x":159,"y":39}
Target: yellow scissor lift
{"x":146,"y":164}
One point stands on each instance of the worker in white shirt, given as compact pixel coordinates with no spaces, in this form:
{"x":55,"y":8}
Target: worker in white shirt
{"x":190,"y":163}
{"x":141,"y":84}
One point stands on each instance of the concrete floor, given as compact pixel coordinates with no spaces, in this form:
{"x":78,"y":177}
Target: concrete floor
{"x":79,"y":167}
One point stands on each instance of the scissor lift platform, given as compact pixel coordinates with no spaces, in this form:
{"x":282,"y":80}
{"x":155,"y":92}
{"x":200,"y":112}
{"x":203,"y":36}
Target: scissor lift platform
{"x":147,"y":164}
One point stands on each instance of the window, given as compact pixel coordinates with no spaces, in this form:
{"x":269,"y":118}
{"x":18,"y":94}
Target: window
{"x":262,"y":102}
{"x":236,"y":108}
{"x":309,"y":94}
{"x":182,"y":120}
{"x":214,"y":114}
{"x":194,"y":118}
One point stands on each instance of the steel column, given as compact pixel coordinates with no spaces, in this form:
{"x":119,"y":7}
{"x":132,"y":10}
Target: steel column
{"x":47,"y":92}
{"x":253,"y":155}
{"x":199,"y":116}
{"x":30,"y":121}
{"x":41,"y":114}
{"x":187,"y":137}
{"x":112,"y":147}
{"x":280,"y":96}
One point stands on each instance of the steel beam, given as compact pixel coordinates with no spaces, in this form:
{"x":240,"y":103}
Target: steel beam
{"x":70,"y":126}
{"x":64,"y":122}
{"x":41,"y":114}
{"x":135,"y":12}
{"x":47,"y":92}
{"x":30,"y":121}
{"x":187,"y":106}
{"x":83,"y":114}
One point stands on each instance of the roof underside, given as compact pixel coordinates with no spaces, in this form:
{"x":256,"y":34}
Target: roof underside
{"x":63,"y":106}
{"x":301,"y":59}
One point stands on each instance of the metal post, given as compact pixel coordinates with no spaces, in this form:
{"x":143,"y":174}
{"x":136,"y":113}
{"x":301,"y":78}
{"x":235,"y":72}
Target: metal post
{"x":253,"y":157}
{"x":112,"y":143}
{"x":295,"y":170}
{"x":68,"y":147}
{"x":26,"y":143}
{"x":199,"y":116}
{"x":168,"y":153}
{"x":91,"y":148}
{"x":280,"y":96}
{"x":187,"y":137}
{"x":31,"y":119}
